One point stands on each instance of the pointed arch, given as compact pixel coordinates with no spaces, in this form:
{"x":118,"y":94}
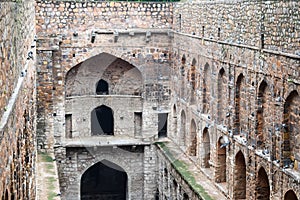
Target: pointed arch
{"x":104,"y":180}
{"x":193,"y":139}
{"x":206,"y":148}
{"x":291,"y":127}
{"x":221,"y":95}
{"x":262,"y":185}
{"x":238,"y":103}
{"x":102,"y":87}
{"x":102,"y":121}
{"x":261,"y":107}
{"x":174,"y":121}
{"x":182,"y":68}
{"x":122,"y":77}
{"x":193,"y":74}
{"x":239,"y":177}
{"x":221,"y":162}
{"x":205,"y":89}
{"x":290,"y":195}
{"x":182,"y":141}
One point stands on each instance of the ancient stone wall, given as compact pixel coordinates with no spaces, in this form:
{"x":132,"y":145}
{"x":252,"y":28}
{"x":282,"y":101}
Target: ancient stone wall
{"x":247,"y":86}
{"x":17,"y":100}
{"x":128,"y":46}
{"x":225,"y":72}
{"x":78,"y":160}
{"x":78,"y":31}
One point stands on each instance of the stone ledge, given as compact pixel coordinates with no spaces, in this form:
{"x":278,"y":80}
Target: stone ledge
{"x":95,"y":141}
{"x":182,"y":166}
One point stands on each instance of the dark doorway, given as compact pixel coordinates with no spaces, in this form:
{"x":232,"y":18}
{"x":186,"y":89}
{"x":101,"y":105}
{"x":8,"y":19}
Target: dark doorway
{"x":138,"y":123}
{"x":102,"y":121}
{"x":240,"y":177}
{"x":68,"y":123}
{"x":206,"y":148}
{"x":102,"y":87}
{"x":262,"y":185}
{"x":104,"y":180}
{"x":290,"y":195}
{"x":221,"y":162}
{"x":162,"y":124}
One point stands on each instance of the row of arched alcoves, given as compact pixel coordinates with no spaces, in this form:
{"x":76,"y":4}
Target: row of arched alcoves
{"x":200,"y":145}
{"x":241,"y":102}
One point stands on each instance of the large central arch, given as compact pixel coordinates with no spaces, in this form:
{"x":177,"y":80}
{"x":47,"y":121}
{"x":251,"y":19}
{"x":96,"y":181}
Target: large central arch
{"x":104,"y":180}
{"x":116,"y":76}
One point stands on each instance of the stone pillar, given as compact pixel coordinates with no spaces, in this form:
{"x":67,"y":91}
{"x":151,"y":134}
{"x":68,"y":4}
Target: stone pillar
{"x":150,"y":171}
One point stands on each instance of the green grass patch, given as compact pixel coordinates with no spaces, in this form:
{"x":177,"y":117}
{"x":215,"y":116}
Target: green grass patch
{"x":51,"y":195}
{"x":50,"y":181}
{"x":50,"y":184}
{"x":181,"y":168}
{"x":49,"y":167}
{"x":45,"y":157}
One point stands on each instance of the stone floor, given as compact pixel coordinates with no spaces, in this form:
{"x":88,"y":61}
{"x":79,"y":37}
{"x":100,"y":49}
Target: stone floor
{"x":47,"y":179}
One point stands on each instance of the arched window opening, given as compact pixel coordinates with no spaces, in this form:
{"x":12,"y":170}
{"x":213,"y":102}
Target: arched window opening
{"x":261,"y":107}
{"x":102,"y":87}
{"x":291,"y":129}
{"x":193,"y":139}
{"x":174,"y":122}
{"x":182,"y":68}
{"x":221,"y":95}
{"x":104,"y":180}
{"x":205,"y":89}
{"x":182,"y":129}
{"x":206,"y":148}
{"x":102,"y":121}
{"x":238,"y":99}
{"x":193,"y":74}
{"x":221,"y":163}
{"x":290,"y":195}
{"x":262,"y":185}
{"x":240,"y":176}
{"x":162,"y":124}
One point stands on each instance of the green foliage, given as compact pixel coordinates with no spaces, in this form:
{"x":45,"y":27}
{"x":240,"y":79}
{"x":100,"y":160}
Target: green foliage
{"x":45,"y":157}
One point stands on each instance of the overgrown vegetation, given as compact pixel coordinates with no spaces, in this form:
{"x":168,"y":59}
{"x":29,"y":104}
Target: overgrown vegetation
{"x":45,"y":157}
{"x":182,"y":168}
{"x":50,"y":180}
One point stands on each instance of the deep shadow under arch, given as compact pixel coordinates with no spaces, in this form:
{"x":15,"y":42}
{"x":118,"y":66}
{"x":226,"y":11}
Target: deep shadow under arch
{"x":102,"y":121}
{"x":290,"y":195}
{"x":262,"y":185}
{"x":104,"y":180}
{"x":102,"y":87}
{"x":240,"y":177}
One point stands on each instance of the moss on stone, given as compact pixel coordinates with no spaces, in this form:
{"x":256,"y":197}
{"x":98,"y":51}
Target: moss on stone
{"x":182,"y":169}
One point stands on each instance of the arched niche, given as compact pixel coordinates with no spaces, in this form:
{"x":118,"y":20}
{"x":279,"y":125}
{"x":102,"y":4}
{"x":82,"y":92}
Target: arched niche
{"x":290,"y":195}
{"x":206,"y":148}
{"x":193,"y":139}
{"x":239,"y":177}
{"x":102,"y":87}
{"x":262,"y":185}
{"x":182,"y":141}
{"x":102,"y":121}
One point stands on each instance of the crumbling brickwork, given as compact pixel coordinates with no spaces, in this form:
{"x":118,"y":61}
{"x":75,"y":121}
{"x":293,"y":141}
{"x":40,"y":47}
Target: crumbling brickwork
{"x":17,"y":100}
